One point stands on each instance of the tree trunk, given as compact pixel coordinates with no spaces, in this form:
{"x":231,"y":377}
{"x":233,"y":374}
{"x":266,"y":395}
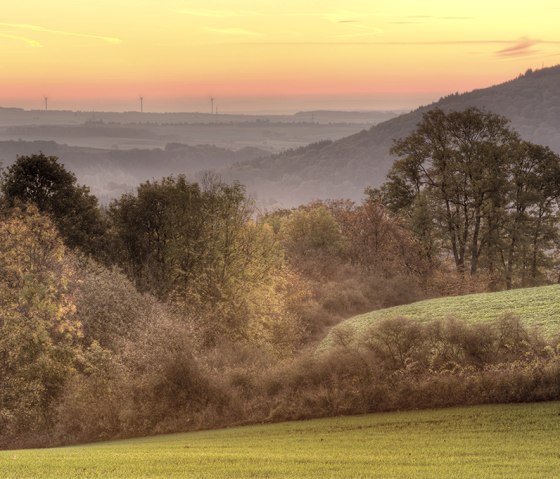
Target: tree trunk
{"x":474,"y":244}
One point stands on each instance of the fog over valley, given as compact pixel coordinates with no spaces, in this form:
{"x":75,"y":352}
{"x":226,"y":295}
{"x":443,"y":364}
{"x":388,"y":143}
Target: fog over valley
{"x":113,"y":152}
{"x":283,"y":160}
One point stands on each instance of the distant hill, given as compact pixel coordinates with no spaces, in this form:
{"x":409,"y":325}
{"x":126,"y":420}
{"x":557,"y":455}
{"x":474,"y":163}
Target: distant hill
{"x":110,"y":172}
{"x":535,"y":307}
{"x":343,"y":168}
{"x":334,"y":116}
{"x":20,"y":116}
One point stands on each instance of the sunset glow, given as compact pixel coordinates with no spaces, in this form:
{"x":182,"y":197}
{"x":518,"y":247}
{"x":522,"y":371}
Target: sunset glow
{"x":266,"y":55}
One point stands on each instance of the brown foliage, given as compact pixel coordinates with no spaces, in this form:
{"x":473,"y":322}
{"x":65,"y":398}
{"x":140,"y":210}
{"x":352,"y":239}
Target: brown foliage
{"x":398,"y":364}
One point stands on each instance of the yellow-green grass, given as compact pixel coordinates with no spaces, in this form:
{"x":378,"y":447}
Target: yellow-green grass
{"x":536,"y":307}
{"x":500,"y":441}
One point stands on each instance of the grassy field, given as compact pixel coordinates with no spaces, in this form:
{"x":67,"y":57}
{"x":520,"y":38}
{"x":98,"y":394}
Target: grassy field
{"x":536,"y":307}
{"x":511,"y":441}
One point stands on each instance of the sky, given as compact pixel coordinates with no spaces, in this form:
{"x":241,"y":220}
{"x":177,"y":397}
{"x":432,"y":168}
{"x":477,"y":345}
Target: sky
{"x":266,"y":55}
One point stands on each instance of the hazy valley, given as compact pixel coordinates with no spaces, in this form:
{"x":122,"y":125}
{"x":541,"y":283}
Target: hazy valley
{"x":282,"y":160}
{"x":113,"y":152}
{"x":344,"y":168}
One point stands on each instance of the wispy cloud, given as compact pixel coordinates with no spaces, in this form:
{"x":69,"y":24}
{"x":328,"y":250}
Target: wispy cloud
{"x":29,"y":41}
{"x":434,"y":43}
{"x":214,"y":13}
{"x":367,"y":30}
{"x":522,"y":48}
{"x":232,"y":31}
{"x":400,"y":43}
{"x":37,"y":28}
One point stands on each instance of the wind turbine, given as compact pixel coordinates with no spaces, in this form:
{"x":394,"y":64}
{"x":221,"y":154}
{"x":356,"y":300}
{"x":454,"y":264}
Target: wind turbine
{"x":141,"y":104}
{"x":212,"y":104}
{"x":46,"y":103}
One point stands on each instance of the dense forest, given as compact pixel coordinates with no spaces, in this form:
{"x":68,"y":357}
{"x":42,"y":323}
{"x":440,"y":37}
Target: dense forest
{"x":181,"y":306}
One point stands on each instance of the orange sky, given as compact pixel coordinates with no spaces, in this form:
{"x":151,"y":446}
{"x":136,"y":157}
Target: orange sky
{"x":265,"y":55}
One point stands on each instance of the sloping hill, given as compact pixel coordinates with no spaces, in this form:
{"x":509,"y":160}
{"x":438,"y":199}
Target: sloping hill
{"x":481,"y":441}
{"x":536,"y":307}
{"x":343,"y":168}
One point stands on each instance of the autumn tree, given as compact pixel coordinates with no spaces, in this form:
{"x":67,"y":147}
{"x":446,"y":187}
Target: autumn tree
{"x":469,"y":176}
{"x":157,"y":232}
{"x":199,"y":247}
{"x":39,"y":331}
{"x":376,"y":240}
{"x":530,"y":225}
{"x":312,"y":231}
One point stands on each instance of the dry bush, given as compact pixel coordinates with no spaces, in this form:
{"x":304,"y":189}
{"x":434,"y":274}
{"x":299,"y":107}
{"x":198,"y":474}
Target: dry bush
{"x":158,"y":385}
{"x":108,"y":305}
{"x":166,"y":379}
{"x":155,"y":384}
{"x":446,"y":281}
{"x":347,"y":291}
{"x":401,"y":364}
{"x":91,"y":408}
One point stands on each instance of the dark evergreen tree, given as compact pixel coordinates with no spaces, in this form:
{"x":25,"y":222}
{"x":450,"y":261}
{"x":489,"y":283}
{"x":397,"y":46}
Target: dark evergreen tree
{"x":45,"y":182}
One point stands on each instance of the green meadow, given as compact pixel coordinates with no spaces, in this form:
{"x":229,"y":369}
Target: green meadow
{"x":536,"y":307}
{"x":496,"y":441}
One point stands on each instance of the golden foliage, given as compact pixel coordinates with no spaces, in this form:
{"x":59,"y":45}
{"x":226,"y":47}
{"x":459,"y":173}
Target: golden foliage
{"x":39,"y":331}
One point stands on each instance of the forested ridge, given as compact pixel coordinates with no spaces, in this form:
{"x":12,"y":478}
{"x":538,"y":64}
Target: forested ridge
{"x":181,"y":306}
{"x":343,"y":168}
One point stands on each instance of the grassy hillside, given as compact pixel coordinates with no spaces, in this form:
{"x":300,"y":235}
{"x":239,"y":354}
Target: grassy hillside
{"x":536,"y":307}
{"x":511,"y":441}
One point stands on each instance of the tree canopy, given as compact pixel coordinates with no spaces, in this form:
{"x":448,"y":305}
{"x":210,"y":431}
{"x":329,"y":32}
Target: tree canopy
{"x":44,"y":182}
{"x":490,"y":196}
{"x":39,"y":329}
